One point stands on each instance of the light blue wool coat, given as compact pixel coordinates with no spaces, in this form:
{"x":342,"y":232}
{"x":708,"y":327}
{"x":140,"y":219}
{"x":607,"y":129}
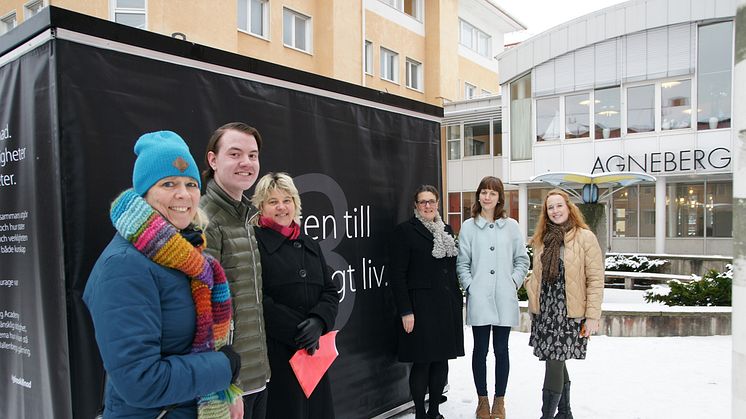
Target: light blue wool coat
{"x":492,"y":264}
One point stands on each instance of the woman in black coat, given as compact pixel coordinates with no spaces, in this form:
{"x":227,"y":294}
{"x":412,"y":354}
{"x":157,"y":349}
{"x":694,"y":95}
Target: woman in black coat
{"x":300,"y":299}
{"x":428,"y":298}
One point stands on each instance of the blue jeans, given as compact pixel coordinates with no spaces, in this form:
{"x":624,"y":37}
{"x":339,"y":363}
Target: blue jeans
{"x":500,"y":336}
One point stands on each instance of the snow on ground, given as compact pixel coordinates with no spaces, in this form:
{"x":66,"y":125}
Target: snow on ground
{"x":622,"y":377}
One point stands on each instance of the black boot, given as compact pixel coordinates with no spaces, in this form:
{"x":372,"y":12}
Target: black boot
{"x":563,"y":409}
{"x":550,"y":400}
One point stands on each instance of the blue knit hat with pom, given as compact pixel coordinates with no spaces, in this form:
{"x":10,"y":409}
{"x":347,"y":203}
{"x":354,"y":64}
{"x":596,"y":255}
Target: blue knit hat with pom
{"x":161,"y":154}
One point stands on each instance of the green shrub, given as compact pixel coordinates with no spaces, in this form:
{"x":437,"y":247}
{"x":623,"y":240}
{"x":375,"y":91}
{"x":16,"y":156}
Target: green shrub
{"x":713,"y":289}
{"x":522,"y":294}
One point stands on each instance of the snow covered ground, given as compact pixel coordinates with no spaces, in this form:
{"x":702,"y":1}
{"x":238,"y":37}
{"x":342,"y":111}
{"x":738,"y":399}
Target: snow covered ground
{"x":622,"y":377}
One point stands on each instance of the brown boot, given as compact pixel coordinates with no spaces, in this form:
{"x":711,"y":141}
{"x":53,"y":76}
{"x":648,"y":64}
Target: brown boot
{"x":498,"y":408}
{"x":483,"y":408}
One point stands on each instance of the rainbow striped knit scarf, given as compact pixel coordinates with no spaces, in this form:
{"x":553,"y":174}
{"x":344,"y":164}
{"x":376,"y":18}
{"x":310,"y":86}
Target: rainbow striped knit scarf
{"x":160,"y":241}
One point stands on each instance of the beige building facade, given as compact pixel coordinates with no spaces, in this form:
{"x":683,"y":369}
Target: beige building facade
{"x":434,"y":51}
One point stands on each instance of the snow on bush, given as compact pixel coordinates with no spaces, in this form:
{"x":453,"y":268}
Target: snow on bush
{"x":633,"y":263}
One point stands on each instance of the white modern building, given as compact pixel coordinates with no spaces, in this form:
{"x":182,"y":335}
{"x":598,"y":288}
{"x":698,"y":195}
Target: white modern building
{"x":643,"y":86}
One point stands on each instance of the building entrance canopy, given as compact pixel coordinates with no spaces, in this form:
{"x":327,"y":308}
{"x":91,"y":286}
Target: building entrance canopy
{"x":588,"y":184}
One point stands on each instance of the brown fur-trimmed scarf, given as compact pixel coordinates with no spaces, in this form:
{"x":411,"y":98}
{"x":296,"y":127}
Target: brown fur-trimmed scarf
{"x":554,"y":238}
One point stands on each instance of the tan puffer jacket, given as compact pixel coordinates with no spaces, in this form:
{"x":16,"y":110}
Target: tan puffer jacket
{"x":584,"y":276}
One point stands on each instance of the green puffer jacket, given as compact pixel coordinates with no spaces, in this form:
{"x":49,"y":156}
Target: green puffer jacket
{"x":230,"y":239}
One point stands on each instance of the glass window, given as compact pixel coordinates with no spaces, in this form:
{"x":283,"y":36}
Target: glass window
{"x":253,"y":17}
{"x":547,"y":119}
{"x":475,"y":39}
{"x":414,"y":74}
{"x":714,"y":67}
{"x":467,"y":200}
{"x":410,"y":7}
{"x":641,"y":109}
{"x":520,"y":119}
{"x":607,"y":116}
{"x":296,"y":30}
{"x":511,"y":204}
{"x":130,"y":13}
{"x":33,"y":7}
{"x":686,"y":210}
{"x":676,"y":108}
{"x":389,"y":65}
{"x":497,"y":137}
{"x":577,"y":116}
{"x":368,"y":57}
{"x":625,"y":212}
{"x":453,"y":134}
{"x":647,"y":210}
{"x":477,"y":139}
{"x":8,"y":22}
{"x":470,"y":91}
{"x":719,"y":209}
{"x":535,"y":206}
{"x":454,"y":211}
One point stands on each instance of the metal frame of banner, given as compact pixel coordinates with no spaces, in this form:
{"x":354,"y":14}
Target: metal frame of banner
{"x":80,"y":38}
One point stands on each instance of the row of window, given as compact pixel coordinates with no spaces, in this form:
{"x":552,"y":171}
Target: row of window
{"x":389,"y":67}
{"x":478,"y":138}
{"x":694,"y":209}
{"x":10,"y":20}
{"x":651,"y":106}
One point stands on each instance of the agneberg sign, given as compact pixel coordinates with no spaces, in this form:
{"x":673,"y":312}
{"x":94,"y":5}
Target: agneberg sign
{"x":665,"y":161}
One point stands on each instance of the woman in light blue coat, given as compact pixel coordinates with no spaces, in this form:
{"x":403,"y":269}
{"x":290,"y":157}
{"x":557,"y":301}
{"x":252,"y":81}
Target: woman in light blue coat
{"x":492,"y":264}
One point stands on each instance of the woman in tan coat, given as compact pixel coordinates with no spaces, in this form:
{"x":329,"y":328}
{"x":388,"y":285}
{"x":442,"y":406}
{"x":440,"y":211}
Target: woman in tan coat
{"x":564,"y":293}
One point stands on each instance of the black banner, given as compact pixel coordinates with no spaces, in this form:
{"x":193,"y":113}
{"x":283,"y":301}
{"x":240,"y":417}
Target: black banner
{"x":356,"y":166}
{"x":34,"y":368}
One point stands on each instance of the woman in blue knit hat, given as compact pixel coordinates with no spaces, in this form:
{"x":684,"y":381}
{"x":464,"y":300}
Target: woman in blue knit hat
{"x":160,"y":306}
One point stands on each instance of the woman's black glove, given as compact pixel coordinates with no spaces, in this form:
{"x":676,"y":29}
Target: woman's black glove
{"x":309,"y":332}
{"x":234,"y":359}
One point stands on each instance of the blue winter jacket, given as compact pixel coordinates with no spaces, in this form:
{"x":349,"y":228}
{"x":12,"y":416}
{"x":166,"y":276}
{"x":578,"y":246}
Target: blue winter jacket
{"x":144,"y":319}
{"x":491,"y":265}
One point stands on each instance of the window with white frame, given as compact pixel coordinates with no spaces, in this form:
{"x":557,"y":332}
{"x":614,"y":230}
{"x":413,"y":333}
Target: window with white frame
{"x":130,"y":12}
{"x":607,"y":115}
{"x":547,"y":119}
{"x":369,"y":57}
{"x":641,"y":108}
{"x":477,"y":139}
{"x":410,"y":7}
{"x":454,"y":211}
{"x":520,"y":119}
{"x":414,"y":74}
{"x":32,"y":7}
{"x":714,"y":74}
{"x":474,"y":39}
{"x":253,"y":17}
{"x":296,"y":30}
{"x":676,"y":108}
{"x":453,"y":136}
{"x":577,"y":116}
{"x":389,"y":65}
{"x":470,"y":91}
{"x":9,"y":22}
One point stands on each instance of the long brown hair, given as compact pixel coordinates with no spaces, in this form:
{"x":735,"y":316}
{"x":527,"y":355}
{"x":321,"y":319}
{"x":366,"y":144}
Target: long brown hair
{"x":214,"y":143}
{"x":495,"y":184}
{"x":574,"y":216}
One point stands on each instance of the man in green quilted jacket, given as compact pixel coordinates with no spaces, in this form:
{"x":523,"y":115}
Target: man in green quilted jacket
{"x":232,"y":159}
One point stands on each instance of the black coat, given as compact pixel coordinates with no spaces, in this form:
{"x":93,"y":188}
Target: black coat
{"x":428,"y":288}
{"x":297,"y":284}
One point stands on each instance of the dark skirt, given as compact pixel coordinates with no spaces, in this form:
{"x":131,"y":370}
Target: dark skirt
{"x":438,"y":332}
{"x":554,"y":335}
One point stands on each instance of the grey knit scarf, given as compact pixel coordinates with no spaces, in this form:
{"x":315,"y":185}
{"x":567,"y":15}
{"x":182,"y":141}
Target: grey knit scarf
{"x":443,"y":243}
